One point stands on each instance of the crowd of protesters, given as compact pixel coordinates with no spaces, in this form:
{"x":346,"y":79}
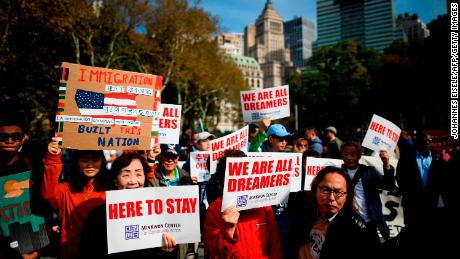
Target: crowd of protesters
{"x":340,"y":217}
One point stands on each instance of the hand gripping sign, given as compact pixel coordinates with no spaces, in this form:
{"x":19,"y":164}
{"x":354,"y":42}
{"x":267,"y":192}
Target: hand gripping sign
{"x":137,"y":218}
{"x":253,"y":182}
{"x":102,"y":108}
{"x":272,"y":102}
{"x":382,"y":134}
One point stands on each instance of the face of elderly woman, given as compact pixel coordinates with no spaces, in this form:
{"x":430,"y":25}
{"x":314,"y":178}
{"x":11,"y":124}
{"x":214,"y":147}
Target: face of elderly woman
{"x":131,"y":177}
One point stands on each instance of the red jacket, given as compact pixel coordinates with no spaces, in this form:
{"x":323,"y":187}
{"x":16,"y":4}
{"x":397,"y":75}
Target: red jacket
{"x":256,"y":234}
{"x":72,"y":208}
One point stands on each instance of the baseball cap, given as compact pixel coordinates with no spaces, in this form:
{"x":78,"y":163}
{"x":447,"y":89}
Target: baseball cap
{"x":331,"y":129}
{"x":169,"y":150}
{"x":204,"y":135}
{"x":278,"y":130}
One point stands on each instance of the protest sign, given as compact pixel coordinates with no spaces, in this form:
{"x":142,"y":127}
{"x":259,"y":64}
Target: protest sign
{"x":382,"y":134}
{"x":313,"y":165}
{"x":237,"y":140}
{"x":392,"y":211}
{"x":198,"y":165}
{"x":441,"y":139}
{"x":24,"y":231}
{"x":296,"y":158}
{"x":168,"y":123}
{"x":102,"y":108}
{"x":253,"y":182}
{"x":269,"y":102}
{"x":137,"y":218}
{"x":376,"y":162}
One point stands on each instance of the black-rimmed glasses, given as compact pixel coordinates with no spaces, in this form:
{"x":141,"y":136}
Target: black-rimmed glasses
{"x":325,"y":191}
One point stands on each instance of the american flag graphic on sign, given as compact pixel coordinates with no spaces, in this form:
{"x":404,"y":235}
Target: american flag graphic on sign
{"x":92,"y":104}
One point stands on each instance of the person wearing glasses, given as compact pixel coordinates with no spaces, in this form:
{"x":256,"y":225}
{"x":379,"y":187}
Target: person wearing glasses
{"x":367,"y":183}
{"x":425,"y":183}
{"x":330,"y":227}
{"x":301,"y":145}
{"x":12,"y":161}
{"x":168,"y":173}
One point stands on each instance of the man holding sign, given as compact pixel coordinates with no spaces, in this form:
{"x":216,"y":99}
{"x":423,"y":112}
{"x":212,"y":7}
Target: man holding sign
{"x":367,"y":181}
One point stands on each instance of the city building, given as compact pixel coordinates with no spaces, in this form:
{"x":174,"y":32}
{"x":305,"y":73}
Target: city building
{"x":253,"y":77}
{"x":298,"y":38}
{"x":370,"y":22}
{"x":413,"y":27}
{"x":233,"y":42}
{"x":264,"y":41}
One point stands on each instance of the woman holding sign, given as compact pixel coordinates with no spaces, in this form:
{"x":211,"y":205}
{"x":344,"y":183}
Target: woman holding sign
{"x":129,"y":171}
{"x":233,"y":234}
{"x":75,"y":199}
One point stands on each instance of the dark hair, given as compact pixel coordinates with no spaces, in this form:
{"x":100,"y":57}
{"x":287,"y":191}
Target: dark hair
{"x":311,"y":129}
{"x":124,"y":161}
{"x":14,"y":120}
{"x":354,"y":144}
{"x":77,"y":179}
{"x":348,"y":206}
{"x":215,"y":186}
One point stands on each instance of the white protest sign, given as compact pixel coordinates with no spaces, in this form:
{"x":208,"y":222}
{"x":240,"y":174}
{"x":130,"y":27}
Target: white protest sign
{"x":314,"y":165}
{"x":252,"y":182}
{"x":272,"y":102}
{"x":296,"y":176}
{"x":168,"y":123}
{"x":237,"y":140}
{"x":377,"y":162}
{"x":392,"y":211}
{"x":198,"y":166}
{"x":137,"y":218}
{"x":391,"y":201}
{"x":382,"y":134}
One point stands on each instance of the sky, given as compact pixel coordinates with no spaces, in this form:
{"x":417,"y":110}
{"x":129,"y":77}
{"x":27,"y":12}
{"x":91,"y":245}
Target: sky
{"x":234,"y":15}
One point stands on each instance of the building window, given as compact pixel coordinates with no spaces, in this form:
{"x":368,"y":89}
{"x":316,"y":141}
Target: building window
{"x":275,"y":27}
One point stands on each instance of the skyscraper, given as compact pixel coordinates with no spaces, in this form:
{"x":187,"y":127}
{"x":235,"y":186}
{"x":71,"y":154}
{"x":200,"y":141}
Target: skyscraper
{"x":298,"y":38}
{"x":265,"y":42}
{"x":370,"y":22}
{"x":413,"y":27}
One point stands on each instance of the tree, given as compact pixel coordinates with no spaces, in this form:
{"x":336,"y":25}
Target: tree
{"x":337,"y":85}
{"x":180,"y":49}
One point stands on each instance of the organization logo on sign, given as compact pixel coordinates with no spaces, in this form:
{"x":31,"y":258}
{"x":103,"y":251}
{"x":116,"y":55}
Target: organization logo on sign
{"x":131,"y":232}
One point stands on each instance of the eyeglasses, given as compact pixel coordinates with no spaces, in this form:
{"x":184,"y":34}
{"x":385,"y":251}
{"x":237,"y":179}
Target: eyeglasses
{"x":327,"y":191}
{"x":281,"y":139}
{"x":302,"y":145}
{"x":16,"y":137}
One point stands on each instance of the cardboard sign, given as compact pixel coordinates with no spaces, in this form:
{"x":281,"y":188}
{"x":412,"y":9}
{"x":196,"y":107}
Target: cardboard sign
{"x":252,"y":182}
{"x":137,"y":218}
{"x":269,"y":102}
{"x":296,"y":158}
{"x":102,"y":108}
{"x":237,"y":140}
{"x":198,"y":165}
{"x":382,"y":134}
{"x":313,"y":165}
{"x":26,"y":231}
{"x":168,"y":123}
